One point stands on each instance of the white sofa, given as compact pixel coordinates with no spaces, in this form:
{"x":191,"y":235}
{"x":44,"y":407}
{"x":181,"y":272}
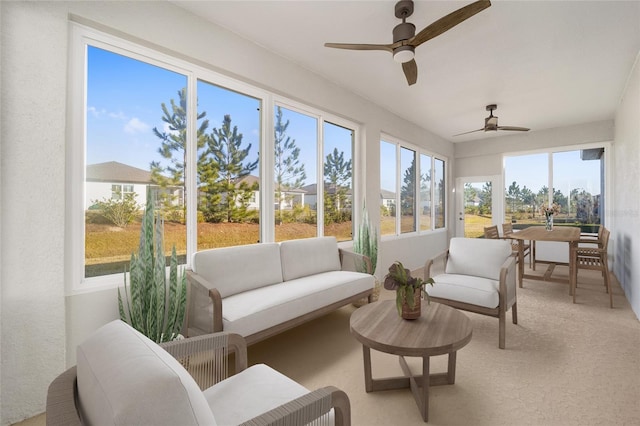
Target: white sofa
{"x":259,"y":290}
{"x":123,"y":378}
{"x":478,"y":275}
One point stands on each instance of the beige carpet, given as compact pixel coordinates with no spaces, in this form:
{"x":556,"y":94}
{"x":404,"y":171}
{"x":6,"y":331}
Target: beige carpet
{"x":564,"y":364}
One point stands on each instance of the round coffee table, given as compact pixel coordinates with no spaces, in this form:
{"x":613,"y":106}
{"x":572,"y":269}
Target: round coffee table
{"x":440,"y":330}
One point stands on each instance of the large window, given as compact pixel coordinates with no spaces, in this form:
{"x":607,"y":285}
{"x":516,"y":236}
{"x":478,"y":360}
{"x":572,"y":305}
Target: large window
{"x":147,"y":123}
{"x":571,"y":179}
{"x":414,"y":181}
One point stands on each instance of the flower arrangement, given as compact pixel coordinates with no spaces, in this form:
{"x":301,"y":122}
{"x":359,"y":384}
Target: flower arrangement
{"x":399,"y":279}
{"x":550,"y":210}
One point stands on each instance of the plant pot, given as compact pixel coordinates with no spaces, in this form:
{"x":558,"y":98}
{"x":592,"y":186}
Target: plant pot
{"x":412,"y":312}
{"x":548,"y":223}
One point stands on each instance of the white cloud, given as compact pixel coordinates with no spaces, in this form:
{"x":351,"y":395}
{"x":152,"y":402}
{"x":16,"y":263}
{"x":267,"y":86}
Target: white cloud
{"x":119,"y":115}
{"x":96,"y":112}
{"x":135,"y":125}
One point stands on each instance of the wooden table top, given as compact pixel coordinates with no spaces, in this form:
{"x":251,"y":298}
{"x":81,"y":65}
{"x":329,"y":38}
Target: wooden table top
{"x":539,"y":233}
{"x":440,"y":330}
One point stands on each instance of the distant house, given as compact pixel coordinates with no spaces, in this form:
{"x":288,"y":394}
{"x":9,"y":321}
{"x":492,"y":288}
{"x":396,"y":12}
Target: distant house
{"x":387,"y":198}
{"x":113,"y":180}
{"x":290,"y":197}
{"x":311,"y":195}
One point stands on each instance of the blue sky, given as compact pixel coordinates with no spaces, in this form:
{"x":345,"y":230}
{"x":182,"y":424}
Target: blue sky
{"x":124,"y":98}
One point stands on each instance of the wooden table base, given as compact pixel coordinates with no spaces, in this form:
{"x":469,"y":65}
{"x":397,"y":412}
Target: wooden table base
{"x":419,"y":384}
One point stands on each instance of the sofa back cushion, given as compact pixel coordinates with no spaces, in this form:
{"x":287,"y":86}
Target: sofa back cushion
{"x":309,"y":256}
{"x":124,"y":378}
{"x":234,"y":270}
{"x":477,"y":256}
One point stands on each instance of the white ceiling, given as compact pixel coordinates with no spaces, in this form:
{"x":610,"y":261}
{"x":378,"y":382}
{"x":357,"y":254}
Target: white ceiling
{"x":545,"y":63}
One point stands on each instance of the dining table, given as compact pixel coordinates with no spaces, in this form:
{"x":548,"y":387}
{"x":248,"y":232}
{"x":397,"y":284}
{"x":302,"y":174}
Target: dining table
{"x":568,"y":234}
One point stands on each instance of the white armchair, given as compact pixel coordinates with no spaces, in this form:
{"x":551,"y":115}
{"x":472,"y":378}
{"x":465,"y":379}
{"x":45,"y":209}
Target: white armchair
{"x":123,"y":378}
{"x":476,"y":275}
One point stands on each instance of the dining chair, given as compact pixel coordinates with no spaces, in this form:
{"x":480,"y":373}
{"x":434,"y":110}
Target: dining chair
{"x":594,"y":258}
{"x":491,"y":232}
{"x":507,"y":231}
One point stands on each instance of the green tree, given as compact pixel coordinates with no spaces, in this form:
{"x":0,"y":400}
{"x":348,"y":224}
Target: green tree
{"x":289,"y":172}
{"x":470,"y":195}
{"x":408,"y":190}
{"x":513,"y":196}
{"x":173,"y":148}
{"x":227,"y":156}
{"x":337,"y":174}
{"x":486,"y":198}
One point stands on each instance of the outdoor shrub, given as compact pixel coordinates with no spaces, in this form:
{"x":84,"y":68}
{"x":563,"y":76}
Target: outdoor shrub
{"x":119,"y":212}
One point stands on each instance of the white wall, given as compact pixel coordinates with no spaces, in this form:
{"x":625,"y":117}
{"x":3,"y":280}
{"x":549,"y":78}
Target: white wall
{"x":40,"y":324}
{"x":625,"y":234}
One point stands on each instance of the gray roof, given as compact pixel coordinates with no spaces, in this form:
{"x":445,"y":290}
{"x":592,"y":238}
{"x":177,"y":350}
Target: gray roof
{"x":112,"y":171}
{"x":386,"y":194}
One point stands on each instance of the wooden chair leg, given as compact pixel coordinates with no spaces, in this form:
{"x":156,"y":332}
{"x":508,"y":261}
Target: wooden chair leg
{"x":607,"y":281}
{"x":502,"y":327}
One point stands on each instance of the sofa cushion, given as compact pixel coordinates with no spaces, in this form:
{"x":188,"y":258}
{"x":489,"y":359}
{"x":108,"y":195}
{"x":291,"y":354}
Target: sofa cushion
{"x":234,"y":270}
{"x":233,"y":404}
{"x":253,"y":311}
{"x":124,"y":378}
{"x":466,"y":288}
{"x":309,"y":256}
{"x":477,"y":256}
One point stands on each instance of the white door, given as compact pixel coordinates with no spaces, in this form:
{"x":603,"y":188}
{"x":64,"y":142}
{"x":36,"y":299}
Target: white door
{"x":478,"y":204}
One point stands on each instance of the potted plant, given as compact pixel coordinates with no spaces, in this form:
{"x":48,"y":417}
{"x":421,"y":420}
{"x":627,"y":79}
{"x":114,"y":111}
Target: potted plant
{"x":366,"y":243}
{"x":409,"y":290}
{"x":154,"y":306}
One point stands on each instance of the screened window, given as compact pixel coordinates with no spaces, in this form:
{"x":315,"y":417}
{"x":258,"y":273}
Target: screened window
{"x":147,"y":123}
{"x":414,"y":181}
{"x":571,"y":179}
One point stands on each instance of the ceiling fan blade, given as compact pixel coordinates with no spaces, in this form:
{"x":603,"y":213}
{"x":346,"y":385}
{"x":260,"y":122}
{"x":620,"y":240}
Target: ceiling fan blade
{"x":512,"y":128}
{"x":410,"y":71}
{"x":350,"y":46}
{"x":466,"y":133}
{"x":449,"y":21}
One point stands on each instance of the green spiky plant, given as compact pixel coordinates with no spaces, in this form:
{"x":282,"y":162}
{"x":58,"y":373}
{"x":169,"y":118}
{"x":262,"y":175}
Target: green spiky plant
{"x":149,"y":308}
{"x":366,"y":242}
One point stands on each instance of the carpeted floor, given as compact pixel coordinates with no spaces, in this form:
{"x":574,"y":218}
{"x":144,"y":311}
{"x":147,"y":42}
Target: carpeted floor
{"x":564,"y":364}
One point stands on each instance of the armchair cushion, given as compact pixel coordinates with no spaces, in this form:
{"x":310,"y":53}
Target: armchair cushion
{"x":467,"y":289}
{"x":244,"y":396}
{"x":309,"y":256}
{"x":132,"y":380}
{"x":477,"y":257}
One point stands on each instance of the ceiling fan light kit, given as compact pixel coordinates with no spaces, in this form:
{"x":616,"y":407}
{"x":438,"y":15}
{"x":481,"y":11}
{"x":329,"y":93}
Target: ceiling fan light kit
{"x":405,"y":39}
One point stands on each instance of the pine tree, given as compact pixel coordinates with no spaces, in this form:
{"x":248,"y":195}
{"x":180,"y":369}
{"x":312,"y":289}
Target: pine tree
{"x":173,"y":146}
{"x":289,"y":173}
{"x":407,"y":192}
{"x":337,"y":174}
{"x":227,"y":199}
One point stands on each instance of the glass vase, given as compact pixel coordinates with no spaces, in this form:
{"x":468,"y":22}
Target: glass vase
{"x":548,"y":223}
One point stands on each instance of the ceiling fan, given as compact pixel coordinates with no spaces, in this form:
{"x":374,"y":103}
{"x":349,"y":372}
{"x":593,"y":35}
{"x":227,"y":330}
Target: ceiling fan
{"x":491,"y":123}
{"x":405,"y":39}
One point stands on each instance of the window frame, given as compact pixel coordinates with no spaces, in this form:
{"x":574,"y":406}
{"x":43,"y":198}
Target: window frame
{"x":606,"y":175}
{"x":80,"y":37}
{"x":419,"y":151}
